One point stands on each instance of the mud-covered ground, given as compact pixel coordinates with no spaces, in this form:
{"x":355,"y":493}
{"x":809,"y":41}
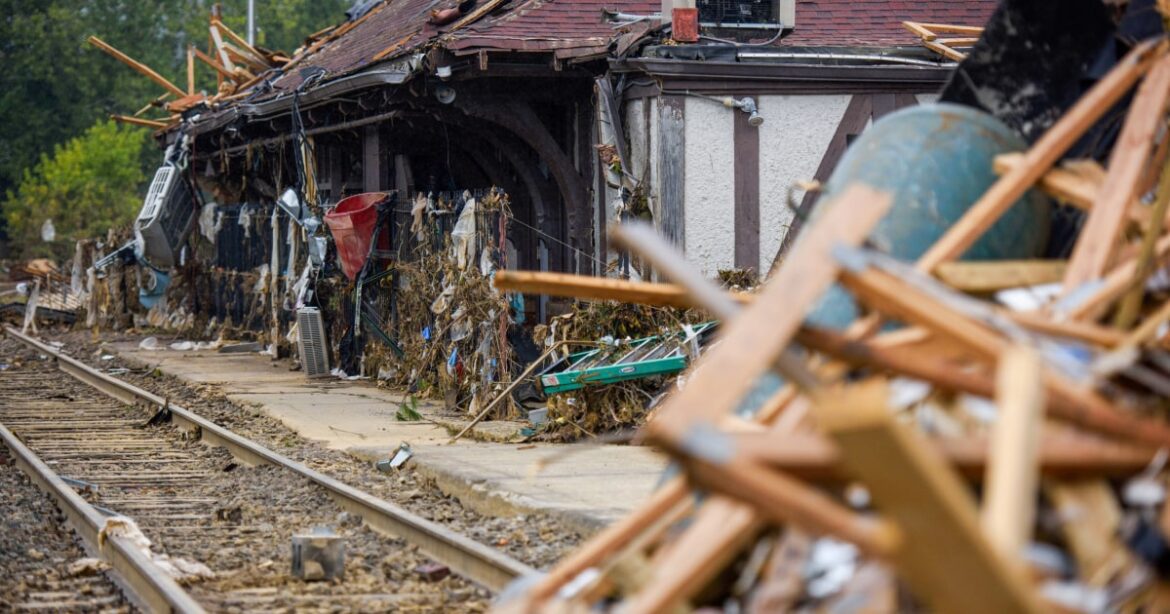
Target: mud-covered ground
{"x":198,"y":507}
{"x":42,"y":564}
{"x":537,"y":541}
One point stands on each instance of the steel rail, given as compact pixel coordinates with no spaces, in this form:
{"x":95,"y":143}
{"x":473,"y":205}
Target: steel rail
{"x":144,"y":583}
{"x":462,"y":555}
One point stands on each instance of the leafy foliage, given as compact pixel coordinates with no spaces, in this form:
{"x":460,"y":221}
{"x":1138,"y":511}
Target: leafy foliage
{"x":54,"y":85}
{"x":88,"y":185}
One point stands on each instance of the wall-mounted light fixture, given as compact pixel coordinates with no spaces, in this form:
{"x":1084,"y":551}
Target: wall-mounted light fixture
{"x":747,"y":105}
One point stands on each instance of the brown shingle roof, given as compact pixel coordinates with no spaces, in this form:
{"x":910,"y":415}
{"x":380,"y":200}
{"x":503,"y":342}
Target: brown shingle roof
{"x":575,"y":28}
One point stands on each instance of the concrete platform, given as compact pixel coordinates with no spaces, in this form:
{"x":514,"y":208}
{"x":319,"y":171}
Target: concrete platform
{"x":588,"y":489}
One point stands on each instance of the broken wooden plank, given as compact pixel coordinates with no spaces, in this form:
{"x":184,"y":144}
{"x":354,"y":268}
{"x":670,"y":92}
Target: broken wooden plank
{"x":597,"y":288}
{"x":1059,"y":455}
{"x":190,"y":69}
{"x":1112,"y":286}
{"x":1040,"y":157}
{"x":138,"y":121}
{"x":719,"y":531}
{"x":919,"y":30}
{"x":943,"y":556}
{"x":136,"y":65}
{"x":206,"y":59}
{"x":1073,"y":401}
{"x":1091,"y":521}
{"x":1072,"y":187}
{"x":1131,"y":302}
{"x":754,"y":342}
{"x":1009,"y":500}
{"x":782,"y":499}
{"x":945,"y":51}
{"x":474,"y":16}
{"x":993,"y":275}
{"x":243,"y":45}
{"x":224,"y":59}
{"x":1098,"y":239}
{"x":949,"y":28}
{"x":609,"y":541}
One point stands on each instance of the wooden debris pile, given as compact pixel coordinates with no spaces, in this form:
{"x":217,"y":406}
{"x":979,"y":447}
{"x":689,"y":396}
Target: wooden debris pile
{"x":450,"y":323}
{"x":976,"y":457}
{"x":237,"y":64}
{"x":945,"y":39}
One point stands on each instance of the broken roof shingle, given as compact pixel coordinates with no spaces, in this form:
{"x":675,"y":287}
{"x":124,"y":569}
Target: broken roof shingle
{"x":573,"y":28}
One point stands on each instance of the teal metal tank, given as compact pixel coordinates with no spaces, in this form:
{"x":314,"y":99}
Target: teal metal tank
{"x":935,"y":160}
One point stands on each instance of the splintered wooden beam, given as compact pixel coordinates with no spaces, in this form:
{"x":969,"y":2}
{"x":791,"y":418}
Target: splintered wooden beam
{"x":947,"y":28}
{"x":224,"y":59}
{"x":993,"y":275}
{"x":1097,"y":243}
{"x":1113,"y":286}
{"x":206,"y":59}
{"x":1068,"y":455}
{"x":1076,"y":183}
{"x":1091,"y":525}
{"x":1071,"y":401}
{"x":598,"y":288}
{"x":474,"y":15}
{"x":720,"y":530}
{"x":243,"y":44}
{"x":755,"y":342}
{"x":917,"y":29}
{"x":136,"y":65}
{"x":138,"y":121}
{"x":190,"y":69}
{"x":606,"y":543}
{"x":1009,"y":500}
{"x":944,"y":50}
{"x":943,"y":557}
{"x":1131,"y":303}
{"x":1040,"y":157}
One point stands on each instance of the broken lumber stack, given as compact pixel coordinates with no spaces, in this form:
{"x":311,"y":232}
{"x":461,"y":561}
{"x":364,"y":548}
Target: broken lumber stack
{"x":238,"y":65}
{"x":952,"y":450}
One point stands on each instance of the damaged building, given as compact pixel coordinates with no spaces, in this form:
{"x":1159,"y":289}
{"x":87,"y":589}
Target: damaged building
{"x":519,"y":95}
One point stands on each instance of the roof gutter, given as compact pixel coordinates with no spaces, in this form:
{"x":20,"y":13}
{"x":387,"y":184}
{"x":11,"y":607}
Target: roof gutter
{"x":395,"y":73}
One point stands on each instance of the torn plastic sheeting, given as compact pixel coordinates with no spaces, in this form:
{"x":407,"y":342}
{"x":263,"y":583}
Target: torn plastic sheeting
{"x":463,"y":235}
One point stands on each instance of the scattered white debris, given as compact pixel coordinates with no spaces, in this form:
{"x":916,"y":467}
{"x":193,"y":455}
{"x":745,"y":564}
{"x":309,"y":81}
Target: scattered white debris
{"x":180,"y":569}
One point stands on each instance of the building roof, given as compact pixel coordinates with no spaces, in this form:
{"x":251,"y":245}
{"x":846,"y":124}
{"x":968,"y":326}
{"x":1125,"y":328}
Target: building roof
{"x":877,"y":23}
{"x":576,"y":29}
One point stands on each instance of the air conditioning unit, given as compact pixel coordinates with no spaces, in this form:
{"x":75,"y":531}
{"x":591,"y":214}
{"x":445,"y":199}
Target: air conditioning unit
{"x":167,"y":216}
{"x":757,"y":14}
{"x":311,"y":339}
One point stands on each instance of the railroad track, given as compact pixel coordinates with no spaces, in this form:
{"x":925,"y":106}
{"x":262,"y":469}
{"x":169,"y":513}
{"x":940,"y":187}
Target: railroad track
{"x":232,"y":507}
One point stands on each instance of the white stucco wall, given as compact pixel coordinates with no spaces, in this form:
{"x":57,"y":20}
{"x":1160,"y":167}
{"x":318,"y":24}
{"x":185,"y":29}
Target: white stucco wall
{"x":709,"y":185}
{"x":638,"y":133}
{"x":793,"y":138}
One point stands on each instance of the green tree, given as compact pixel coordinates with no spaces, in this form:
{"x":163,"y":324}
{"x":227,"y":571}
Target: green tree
{"x":53,"y":85}
{"x":89,"y":184}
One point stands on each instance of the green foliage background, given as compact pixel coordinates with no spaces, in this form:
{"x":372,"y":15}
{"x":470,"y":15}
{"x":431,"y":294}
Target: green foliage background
{"x":88,"y":185}
{"x":53,"y":86}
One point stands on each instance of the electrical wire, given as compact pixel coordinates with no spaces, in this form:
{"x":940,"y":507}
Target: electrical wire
{"x":779,"y":32}
{"x":556,"y":240}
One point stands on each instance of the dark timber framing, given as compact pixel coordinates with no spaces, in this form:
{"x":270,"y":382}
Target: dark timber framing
{"x":672,"y":166}
{"x":747,"y":193}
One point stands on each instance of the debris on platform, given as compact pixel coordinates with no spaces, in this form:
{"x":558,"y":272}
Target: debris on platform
{"x":941,"y":448}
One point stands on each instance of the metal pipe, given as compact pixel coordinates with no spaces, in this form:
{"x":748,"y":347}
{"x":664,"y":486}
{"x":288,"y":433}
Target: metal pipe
{"x":252,"y":22}
{"x":349,"y":125}
{"x":849,"y":57}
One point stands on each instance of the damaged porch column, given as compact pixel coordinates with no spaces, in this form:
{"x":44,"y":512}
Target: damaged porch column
{"x":373,"y":165}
